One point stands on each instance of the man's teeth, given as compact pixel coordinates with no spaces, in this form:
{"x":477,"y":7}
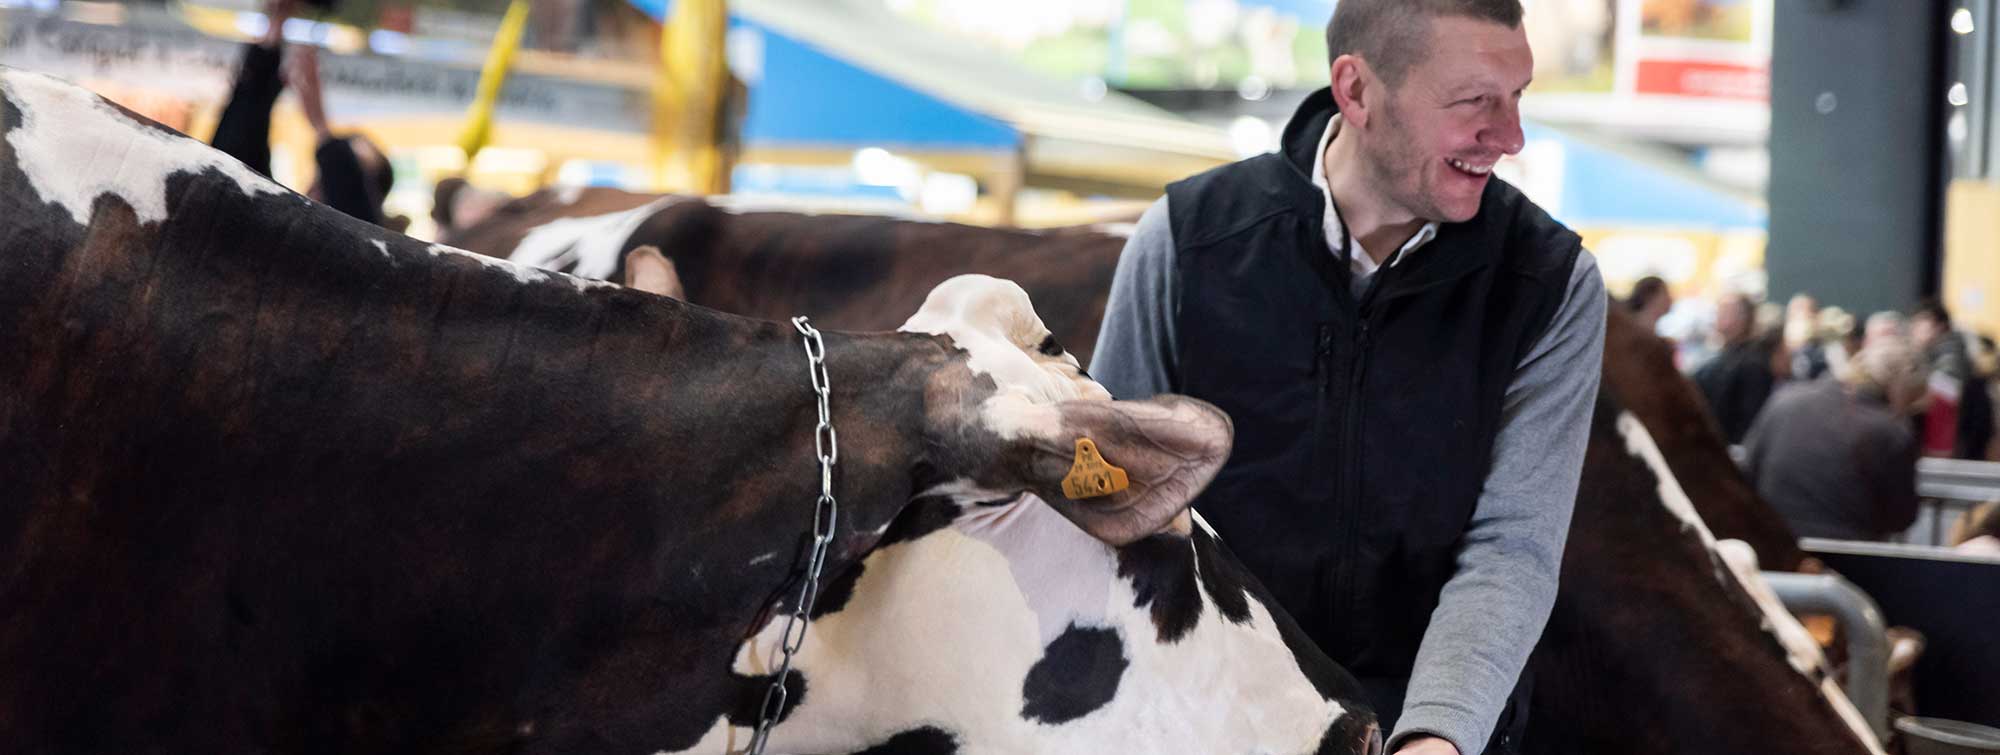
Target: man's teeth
{"x":1477,"y":170}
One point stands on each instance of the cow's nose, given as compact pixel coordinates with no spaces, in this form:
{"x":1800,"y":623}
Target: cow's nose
{"x":1374,"y":739}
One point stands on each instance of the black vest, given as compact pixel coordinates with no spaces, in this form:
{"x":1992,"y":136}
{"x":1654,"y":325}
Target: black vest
{"x":1364,"y":428}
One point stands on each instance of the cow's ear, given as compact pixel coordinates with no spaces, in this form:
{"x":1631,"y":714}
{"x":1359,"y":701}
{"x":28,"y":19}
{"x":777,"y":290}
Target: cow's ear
{"x":648,"y":270}
{"x":1169,"y":447}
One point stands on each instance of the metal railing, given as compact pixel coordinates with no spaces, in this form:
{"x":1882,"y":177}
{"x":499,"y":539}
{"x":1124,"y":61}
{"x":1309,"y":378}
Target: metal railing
{"x":1949,"y":488}
{"x":1867,"y":636}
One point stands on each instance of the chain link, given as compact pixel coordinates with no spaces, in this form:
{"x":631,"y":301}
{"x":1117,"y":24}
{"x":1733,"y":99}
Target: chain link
{"x":826,"y":521}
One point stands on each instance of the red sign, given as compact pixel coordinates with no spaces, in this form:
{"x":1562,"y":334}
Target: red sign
{"x":1704,"y":78}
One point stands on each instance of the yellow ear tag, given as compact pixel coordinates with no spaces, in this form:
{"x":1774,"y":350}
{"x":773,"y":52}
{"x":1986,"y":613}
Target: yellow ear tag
{"x":1091,"y":476}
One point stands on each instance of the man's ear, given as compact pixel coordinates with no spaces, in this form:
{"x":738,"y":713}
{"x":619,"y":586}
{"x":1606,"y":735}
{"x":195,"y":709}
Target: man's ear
{"x":1352,"y":77}
{"x":1169,"y":446}
{"x":648,"y":270}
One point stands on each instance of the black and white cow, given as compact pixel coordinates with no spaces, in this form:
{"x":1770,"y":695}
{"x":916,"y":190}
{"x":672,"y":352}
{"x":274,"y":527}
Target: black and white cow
{"x":274,"y":480}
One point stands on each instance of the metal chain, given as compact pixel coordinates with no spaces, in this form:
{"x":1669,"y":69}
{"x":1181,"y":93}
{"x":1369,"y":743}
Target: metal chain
{"x":826,"y":516}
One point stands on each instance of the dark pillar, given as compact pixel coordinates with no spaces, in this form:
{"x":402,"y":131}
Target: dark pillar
{"x":1857,"y":151}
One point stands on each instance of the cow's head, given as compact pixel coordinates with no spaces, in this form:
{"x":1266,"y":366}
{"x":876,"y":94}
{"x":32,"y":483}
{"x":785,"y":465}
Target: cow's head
{"x":987,"y":620}
{"x":1016,"y":407}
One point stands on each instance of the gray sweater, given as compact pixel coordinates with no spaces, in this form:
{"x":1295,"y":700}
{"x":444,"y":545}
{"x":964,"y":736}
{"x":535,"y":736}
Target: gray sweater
{"x":1491,"y":613}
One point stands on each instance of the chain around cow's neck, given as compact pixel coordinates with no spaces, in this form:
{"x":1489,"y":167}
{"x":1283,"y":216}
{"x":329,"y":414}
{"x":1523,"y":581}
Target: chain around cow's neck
{"x":826,"y":514}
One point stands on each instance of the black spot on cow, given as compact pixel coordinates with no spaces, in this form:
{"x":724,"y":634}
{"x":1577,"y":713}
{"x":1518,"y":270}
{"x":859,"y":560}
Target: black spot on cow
{"x":1225,"y":579}
{"x":924,"y":741}
{"x":834,"y":593}
{"x":1050,"y":347}
{"x":922,"y":517}
{"x":1162,"y":571}
{"x":749,"y":708}
{"x":1078,"y":673}
{"x":1232,"y":587}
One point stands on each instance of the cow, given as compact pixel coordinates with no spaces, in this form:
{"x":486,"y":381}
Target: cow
{"x":277,"y":480}
{"x":854,"y":272}
{"x":1610,"y":670}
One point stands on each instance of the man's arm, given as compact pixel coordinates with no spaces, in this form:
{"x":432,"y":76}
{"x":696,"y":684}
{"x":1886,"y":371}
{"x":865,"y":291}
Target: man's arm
{"x":244,"y":130}
{"x":1491,"y":613}
{"x":1138,"y":353}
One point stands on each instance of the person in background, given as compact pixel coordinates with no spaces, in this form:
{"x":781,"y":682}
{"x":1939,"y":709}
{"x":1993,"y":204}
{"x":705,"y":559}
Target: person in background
{"x":1943,"y":348}
{"x":354,"y":176}
{"x":1649,"y":301}
{"x":1959,"y":422}
{"x":1837,"y":458}
{"x":1739,"y":379}
{"x":1803,"y":345}
{"x":1883,"y":326}
{"x":1839,"y":337}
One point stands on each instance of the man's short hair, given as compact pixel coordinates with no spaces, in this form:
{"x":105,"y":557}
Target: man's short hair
{"x":1394,"y":35}
{"x":1933,"y":309}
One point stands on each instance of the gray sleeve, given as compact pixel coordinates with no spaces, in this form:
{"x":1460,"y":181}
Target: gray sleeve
{"x":1492,"y":611}
{"x":1137,"y":352}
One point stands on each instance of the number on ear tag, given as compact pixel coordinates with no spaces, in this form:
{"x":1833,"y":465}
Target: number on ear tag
{"x":1091,"y":476}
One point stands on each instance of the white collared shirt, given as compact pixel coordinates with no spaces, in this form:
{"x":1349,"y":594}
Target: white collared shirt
{"x":1361,"y":264}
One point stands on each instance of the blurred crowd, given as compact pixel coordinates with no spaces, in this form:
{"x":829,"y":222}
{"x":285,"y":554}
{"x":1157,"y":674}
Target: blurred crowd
{"x":1832,"y":411}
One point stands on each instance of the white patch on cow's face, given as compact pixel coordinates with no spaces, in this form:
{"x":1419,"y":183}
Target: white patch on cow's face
{"x":996,"y":325}
{"x":74,"y":147}
{"x":942,"y":631}
{"x":1731,"y":558}
{"x":589,"y":247}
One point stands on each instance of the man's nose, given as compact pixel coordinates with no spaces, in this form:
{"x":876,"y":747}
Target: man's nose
{"x":1504,"y":133}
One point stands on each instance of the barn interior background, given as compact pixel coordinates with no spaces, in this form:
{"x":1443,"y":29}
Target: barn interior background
{"x":1720,"y":145}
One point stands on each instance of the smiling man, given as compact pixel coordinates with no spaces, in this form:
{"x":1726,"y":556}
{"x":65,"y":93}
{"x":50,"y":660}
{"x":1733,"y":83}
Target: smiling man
{"x":1410,"y":351}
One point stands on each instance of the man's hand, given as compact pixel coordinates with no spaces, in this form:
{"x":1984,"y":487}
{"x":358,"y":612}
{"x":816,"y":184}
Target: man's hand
{"x":1428,"y":746}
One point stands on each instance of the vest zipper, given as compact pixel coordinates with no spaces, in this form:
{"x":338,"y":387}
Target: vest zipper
{"x":1348,"y":513}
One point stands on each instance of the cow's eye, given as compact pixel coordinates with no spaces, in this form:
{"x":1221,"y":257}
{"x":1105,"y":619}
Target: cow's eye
{"x":1050,"y":347}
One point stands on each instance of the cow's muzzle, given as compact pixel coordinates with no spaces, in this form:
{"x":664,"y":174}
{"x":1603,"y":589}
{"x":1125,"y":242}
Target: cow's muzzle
{"x":1374,"y":739}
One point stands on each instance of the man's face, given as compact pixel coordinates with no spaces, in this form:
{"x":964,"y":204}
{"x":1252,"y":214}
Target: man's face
{"x":1925,"y":330}
{"x":1434,"y":139}
{"x":1732,"y":319}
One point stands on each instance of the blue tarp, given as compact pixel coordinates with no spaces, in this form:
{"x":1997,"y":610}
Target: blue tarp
{"x":1604,"y":188}
{"x":808,"y":98}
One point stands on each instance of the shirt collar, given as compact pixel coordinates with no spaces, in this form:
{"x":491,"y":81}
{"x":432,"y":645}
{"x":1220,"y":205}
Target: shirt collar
{"x":1336,"y":230}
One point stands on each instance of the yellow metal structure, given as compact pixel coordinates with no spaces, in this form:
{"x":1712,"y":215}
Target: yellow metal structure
{"x":500,"y":58}
{"x":688,"y":99}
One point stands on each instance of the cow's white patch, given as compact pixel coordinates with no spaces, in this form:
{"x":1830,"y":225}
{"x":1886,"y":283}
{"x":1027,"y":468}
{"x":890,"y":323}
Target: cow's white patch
{"x":75,"y":147}
{"x":380,"y":246}
{"x":587,"y":247}
{"x":1800,"y":648}
{"x":521,"y":273}
{"x":995,"y":323}
{"x":1730,"y":558}
{"x":942,"y":631}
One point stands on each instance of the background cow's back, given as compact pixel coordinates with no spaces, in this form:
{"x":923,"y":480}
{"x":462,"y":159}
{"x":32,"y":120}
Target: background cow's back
{"x":854,"y":272}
